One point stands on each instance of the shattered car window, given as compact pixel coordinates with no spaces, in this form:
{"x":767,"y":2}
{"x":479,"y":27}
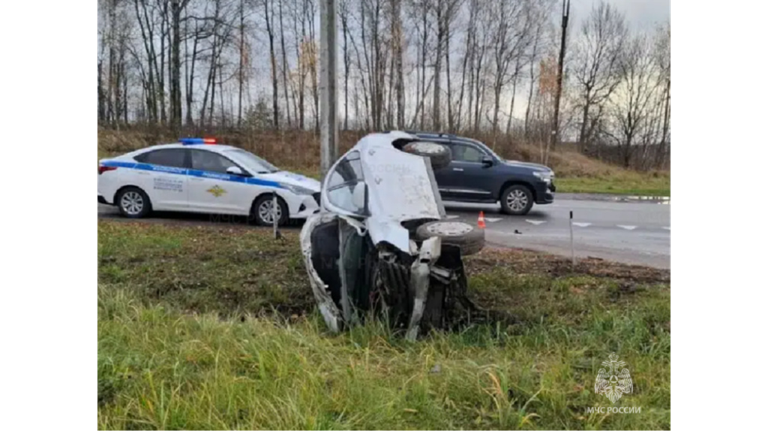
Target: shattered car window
{"x":343,"y":181}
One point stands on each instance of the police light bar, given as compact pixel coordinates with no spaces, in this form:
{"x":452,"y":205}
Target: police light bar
{"x":197,"y":141}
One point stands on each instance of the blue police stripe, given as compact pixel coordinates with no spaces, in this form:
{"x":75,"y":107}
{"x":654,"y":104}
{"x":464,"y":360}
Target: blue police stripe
{"x":192,"y":173}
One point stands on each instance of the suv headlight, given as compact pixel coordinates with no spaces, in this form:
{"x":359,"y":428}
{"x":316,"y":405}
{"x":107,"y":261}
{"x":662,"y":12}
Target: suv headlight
{"x":298,"y":189}
{"x":544,"y":176}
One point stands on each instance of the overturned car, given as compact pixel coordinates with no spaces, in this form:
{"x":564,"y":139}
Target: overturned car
{"x":381,"y":246}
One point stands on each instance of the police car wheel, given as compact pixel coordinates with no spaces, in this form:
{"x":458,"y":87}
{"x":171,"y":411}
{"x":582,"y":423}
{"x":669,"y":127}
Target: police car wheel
{"x":261,"y":213}
{"x":133,"y":202}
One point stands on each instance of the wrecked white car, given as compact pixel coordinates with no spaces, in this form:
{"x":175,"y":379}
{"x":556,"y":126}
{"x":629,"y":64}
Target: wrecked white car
{"x":380,"y":245}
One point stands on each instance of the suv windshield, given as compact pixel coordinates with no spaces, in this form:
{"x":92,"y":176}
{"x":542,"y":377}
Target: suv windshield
{"x":251,"y":161}
{"x":487,"y":149}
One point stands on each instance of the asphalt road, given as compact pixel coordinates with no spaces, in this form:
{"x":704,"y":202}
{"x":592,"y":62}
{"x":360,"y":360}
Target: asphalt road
{"x":627,"y":230}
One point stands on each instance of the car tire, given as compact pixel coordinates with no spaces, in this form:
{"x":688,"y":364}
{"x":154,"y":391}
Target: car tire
{"x":470,"y":239}
{"x":517,"y":200}
{"x":132,"y":202}
{"x":439,"y":155}
{"x":260,"y":208}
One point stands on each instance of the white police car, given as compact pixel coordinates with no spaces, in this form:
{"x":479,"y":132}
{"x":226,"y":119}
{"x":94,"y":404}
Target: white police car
{"x":198,"y":175}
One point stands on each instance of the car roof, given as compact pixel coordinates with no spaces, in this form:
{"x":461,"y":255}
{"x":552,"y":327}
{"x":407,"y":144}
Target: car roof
{"x":216,"y":148}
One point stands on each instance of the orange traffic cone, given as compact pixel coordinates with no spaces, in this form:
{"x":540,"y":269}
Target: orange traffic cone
{"x":481,"y":221}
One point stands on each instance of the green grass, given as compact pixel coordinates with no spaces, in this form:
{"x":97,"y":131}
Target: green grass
{"x":625,"y":184}
{"x":213,"y":327}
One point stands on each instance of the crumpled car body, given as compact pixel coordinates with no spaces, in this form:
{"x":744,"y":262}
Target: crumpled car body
{"x":380,"y":245}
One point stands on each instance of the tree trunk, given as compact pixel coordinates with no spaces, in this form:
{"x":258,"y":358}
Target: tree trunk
{"x":512,"y":105}
{"x":285,"y":66}
{"x":583,"y":130}
{"x":273,"y":63}
{"x":345,"y":32}
{"x":438,"y":59}
{"x":448,"y":77}
{"x":399,"y":91}
{"x":102,"y":108}
{"x":175,"y":79}
{"x":241,"y":66}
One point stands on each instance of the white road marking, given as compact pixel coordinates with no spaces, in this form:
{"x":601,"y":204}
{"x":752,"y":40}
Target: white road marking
{"x":581,"y":224}
{"x":492,"y":219}
{"x":451,"y":217}
{"x":666,"y":227}
{"x":536,"y":222}
{"x":626,"y":227}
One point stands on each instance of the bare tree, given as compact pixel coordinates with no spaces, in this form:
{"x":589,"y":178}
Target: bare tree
{"x":285,"y":67}
{"x":344,"y":18}
{"x":398,"y":42}
{"x":662,"y":57}
{"x":596,"y":68}
{"x":445,"y":13}
{"x":510,"y":38}
{"x":177,"y":6}
{"x":269,"y":20}
{"x":241,"y":65}
{"x":631,"y":103}
{"x":466,"y":58}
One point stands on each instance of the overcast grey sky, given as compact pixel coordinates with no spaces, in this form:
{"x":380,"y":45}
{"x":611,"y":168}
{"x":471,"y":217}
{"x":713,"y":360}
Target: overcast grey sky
{"x":641,"y":14}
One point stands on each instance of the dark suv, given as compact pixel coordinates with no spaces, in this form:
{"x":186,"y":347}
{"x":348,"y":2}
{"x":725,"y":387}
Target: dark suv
{"x":477,"y":174}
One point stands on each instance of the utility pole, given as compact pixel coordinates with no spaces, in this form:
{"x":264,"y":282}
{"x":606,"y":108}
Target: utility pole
{"x":329,"y":129}
{"x":556,"y":124}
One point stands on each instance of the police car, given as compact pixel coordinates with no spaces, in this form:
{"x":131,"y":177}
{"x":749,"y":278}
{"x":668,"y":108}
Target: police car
{"x":199,"y":175}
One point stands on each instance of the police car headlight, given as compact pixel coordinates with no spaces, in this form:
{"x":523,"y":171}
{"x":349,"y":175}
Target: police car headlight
{"x":298,"y":189}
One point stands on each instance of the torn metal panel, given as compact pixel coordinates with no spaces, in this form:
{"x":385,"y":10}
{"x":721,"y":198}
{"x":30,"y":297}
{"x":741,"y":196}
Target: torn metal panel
{"x":320,"y":289}
{"x":419,"y":283}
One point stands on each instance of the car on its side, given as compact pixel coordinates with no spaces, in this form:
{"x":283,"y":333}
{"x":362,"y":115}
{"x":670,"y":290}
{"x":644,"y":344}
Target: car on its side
{"x":199,"y":175}
{"x":381,"y":243}
{"x":477,"y":174}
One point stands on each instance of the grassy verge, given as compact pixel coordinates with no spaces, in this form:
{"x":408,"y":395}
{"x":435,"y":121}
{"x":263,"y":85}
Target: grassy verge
{"x":213,"y":327}
{"x":626,"y":184}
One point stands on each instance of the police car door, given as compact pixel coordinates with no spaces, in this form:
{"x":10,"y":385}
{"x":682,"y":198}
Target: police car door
{"x":212,"y":189}
{"x":162,"y":175}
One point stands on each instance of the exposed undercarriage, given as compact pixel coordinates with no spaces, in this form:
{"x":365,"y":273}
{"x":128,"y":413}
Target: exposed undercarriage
{"x":353,"y":279}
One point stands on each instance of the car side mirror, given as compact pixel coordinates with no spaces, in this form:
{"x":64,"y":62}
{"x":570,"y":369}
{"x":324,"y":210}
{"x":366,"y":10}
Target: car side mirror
{"x":235,"y":170}
{"x":487,"y":161}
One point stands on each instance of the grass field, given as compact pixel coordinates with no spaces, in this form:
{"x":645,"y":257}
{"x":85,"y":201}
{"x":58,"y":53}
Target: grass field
{"x":635,"y":184}
{"x":213,"y":327}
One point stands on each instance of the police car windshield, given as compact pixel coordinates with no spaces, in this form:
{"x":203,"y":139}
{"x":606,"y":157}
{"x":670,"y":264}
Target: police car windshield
{"x":251,"y":161}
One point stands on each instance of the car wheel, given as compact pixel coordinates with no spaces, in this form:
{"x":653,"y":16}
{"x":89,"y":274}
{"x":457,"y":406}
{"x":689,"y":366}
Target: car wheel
{"x":467,"y":237}
{"x":439,"y":155}
{"x":517,"y":200}
{"x":133,"y":202}
{"x":261,"y":213}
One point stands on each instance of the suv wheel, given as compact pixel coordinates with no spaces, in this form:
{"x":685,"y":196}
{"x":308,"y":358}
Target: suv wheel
{"x":517,"y":200}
